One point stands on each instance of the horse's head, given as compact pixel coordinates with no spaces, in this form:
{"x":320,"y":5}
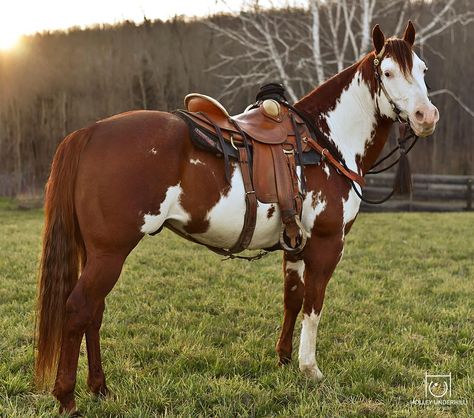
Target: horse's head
{"x":401,"y":78}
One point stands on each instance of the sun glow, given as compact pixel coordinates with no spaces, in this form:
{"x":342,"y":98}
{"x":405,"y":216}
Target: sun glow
{"x":8,"y":41}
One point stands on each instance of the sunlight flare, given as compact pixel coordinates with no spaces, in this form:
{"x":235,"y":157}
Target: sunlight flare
{"x":8,"y":40}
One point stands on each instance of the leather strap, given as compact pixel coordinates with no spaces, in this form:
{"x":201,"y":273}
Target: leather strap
{"x":250,"y":218}
{"x":325,"y":154}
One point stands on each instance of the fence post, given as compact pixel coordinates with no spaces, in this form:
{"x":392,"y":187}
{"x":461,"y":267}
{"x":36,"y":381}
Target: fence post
{"x":469,"y":194}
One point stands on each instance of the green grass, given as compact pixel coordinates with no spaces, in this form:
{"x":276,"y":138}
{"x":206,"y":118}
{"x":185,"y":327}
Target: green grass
{"x":185,"y":334}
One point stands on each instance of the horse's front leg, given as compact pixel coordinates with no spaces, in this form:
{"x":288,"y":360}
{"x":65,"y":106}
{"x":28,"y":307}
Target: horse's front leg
{"x":321,"y":257}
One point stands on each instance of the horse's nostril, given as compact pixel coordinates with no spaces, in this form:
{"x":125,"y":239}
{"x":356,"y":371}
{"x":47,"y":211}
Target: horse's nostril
{"x":419,"y":115}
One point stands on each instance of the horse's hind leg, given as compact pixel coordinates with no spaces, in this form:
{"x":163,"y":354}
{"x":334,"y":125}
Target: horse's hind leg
{"x":293,"y":269}
{"x":83,"y":305}
{"x":96,"y":376}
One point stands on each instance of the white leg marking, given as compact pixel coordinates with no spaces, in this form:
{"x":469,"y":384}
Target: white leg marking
{"x":298,"y":267}
{"x":196,"y":162}
{"x":170,"y":208}
{"x":294,"y":288}
{"x":307,"y":351}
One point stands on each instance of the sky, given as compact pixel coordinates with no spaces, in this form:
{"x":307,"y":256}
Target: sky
{"x":23,"y":17}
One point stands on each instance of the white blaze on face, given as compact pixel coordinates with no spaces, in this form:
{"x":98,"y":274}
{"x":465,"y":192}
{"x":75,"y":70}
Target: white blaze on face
{"x":410,"y":94}
{"x":170,"y":209}
{"x":307,"y":350}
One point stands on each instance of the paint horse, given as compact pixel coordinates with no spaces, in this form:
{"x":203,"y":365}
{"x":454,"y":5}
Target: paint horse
{"x":136,"y":172}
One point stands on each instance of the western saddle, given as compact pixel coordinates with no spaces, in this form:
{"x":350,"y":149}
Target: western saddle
{"x":269,"y":140}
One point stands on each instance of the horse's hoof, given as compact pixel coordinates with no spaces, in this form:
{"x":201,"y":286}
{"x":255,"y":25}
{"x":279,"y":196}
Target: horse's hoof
{"x":69,"y":410}
{"x":105,"y":393}
{"x":312,"y":372}
{"x":70,"y":414}
{"x":283,"y":361}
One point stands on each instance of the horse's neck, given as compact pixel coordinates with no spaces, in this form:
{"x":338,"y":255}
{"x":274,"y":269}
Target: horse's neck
{"x":345,"y":110}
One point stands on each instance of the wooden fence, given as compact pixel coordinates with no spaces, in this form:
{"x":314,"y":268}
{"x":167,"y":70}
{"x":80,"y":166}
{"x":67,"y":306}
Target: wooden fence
{"x":431,"y":193}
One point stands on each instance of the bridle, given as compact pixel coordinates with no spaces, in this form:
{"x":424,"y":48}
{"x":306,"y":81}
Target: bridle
{"x":377,"y":61}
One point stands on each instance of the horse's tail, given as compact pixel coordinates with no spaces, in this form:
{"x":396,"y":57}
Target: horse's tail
{"x":62,"y":255}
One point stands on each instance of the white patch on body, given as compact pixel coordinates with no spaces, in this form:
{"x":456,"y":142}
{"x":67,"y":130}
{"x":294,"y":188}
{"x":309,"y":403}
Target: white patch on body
{"x":226,"y":220}
{"x":298,"y":267}
{"x":352,"y":121}
{"x":170,"y":209}
{"x":153,"y":151}
{"x":350,"y":206}
{"x":294,"y":288}
{"x":310,"y":214}
{"x":307,"y":351}
{"x":196,"y":162}
{"x":326,"y":170}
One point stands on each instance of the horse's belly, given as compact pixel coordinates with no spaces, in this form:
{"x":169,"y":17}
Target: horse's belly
{"x":226,"y":220}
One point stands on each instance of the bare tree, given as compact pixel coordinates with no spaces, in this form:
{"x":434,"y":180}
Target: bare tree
{"x":266,"y":43}
{"x":321,"y":42}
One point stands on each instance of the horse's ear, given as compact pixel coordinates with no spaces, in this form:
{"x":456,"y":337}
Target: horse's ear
{"x":409,"y":35}
{"x":378,"y":38}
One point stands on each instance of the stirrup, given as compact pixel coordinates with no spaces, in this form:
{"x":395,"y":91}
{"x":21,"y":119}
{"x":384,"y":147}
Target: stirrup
{"x":303,"y":234}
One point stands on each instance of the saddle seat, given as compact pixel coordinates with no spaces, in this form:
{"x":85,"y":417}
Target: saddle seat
{"x":268,"y":123}
{"x":276,"y":137}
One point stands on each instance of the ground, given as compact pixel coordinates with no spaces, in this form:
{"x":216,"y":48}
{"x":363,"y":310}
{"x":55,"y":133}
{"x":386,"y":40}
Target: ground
{"x":186,"y":334}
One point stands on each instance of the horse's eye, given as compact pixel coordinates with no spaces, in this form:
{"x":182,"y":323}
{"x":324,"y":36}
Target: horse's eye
{"x":387,"y":74}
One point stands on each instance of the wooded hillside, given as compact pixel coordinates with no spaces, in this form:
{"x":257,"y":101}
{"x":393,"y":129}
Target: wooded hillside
{"x":58,"y":82}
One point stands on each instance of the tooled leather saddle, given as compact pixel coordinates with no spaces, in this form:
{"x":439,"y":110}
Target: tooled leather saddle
{"x":272,"y":144}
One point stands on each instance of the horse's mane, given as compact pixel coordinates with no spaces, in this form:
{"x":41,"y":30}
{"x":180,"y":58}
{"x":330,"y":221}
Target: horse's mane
{"x":318,"y":101}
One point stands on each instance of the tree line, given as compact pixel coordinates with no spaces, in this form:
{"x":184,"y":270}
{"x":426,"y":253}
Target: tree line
{"x":57,"y":82}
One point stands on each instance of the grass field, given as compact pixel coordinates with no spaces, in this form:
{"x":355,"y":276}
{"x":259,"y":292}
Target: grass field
{"x":187,"y":335}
